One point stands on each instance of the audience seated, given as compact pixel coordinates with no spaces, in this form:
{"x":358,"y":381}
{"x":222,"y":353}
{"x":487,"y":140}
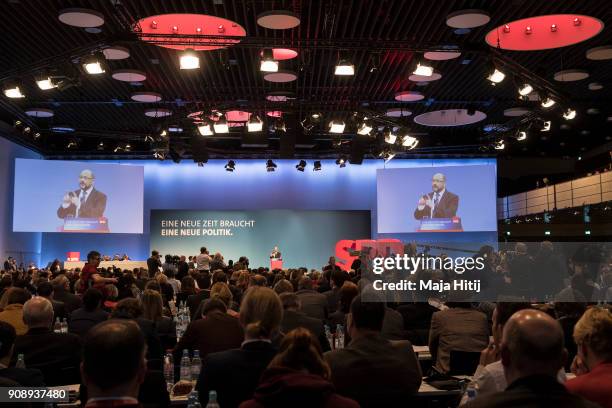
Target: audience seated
{"x":283,"y":286}
{"x":314,"y":304}
{"x":568,"y":313}
{"x":347,"y":293}
{"x":333,"y":296}
{"x":532,"y":353}
{"x":45,"y":289}
{"x":298,"y":376}
{"x":370,"y":369}
{"x":27,"y":377}
{"x":86,"y":317}
{"x":153,"y":310}
{"x":234,"y":374}
{"x":458,"y":328}
{"x":593,"y":335}
{"x":131,"y":309}
{"x":12,"y":309}
{"x":194,"y":301}
{"x":61,"y":293}
{"x":57,"y":355}
{"x":293,"y":318}
{"x":222,"y":291}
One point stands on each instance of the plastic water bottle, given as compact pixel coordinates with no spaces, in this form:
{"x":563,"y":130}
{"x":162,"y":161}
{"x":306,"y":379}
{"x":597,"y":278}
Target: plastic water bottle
{"x":212,"y":400}
{"x":169,"y":369}
{"x":20,"y":362}
{"x":339,"y":336}
{"x":63,"y":326}
{"x":185,"y":366}
{"x":57,"y":326}
{"x":329,"y":336}
{"x":194,"y":400}
{"x":196,"y":365}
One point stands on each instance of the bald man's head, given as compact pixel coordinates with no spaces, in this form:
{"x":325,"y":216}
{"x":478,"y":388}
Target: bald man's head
{"x":86,"y":179}
{"x":532,"y":343}
{"x":38,"y":312}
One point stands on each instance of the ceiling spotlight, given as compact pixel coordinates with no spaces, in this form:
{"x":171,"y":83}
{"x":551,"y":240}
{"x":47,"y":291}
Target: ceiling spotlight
{"x":189,"y":59}
{"x":525,"y":89}
{"x":280,"y":126}
{"x":577,"y":21}
{"x":387,"y":154}
{"x":159,"y":155}
{"x":100,"y":145}
{"x":268,"y":64}
{"x":270,"y":166}
{"x":499,"y":145}
{"x":345,"y":68}
{"x":13,"y":90}
{"x":496,"y":76}
{"x":528,"y":30}
{"x":255,"y":124}
{"x":94,"y":64}
{"x":221,"y":125}
{"x":36,"y":135}
{"x":230,"y":166}
{"x":316,"y":166}
{"x":409,"y":141}
{"x":163,"y":133}
{"x":45,"y":82}
{"x":545,"y":126}
{"x":336,"y":126}
{"x":506,"y":28}
{"x":316,"y":116}
{"x":548,"y":102}
{"x":569,"y":114}
{"x":364,"y":128}
{"x":149,"y":138}
{"x":341,"y":162}
{"x":390,"y":137}
{"x":522,"y":135}
{"x":72,"y":144}
{"x":553,"y":28}
{"x":301,"y":165}
{"x":205,"y":129}
{"x":424,"y":70}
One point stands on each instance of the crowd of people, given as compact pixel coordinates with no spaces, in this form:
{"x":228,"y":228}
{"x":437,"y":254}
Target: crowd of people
{"x":271,"y":338}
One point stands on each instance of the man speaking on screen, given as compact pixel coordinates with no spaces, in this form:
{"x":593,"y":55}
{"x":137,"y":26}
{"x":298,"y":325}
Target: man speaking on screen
{"x":86,"y":202}
{"x":440,"y":203}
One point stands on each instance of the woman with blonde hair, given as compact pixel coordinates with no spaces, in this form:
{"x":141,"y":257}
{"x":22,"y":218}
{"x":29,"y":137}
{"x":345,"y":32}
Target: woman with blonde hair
{"x":298,"y":376}
{"x":222,"y":292}
{"x":153,"y":309}
{"x":261,"y":312}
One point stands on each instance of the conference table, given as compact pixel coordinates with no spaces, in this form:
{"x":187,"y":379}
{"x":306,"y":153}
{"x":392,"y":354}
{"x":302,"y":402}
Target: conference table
{"x":130,"y":265}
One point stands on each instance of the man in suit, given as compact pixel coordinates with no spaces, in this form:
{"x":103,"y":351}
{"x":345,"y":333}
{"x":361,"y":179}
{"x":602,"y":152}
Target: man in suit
{"x":532,"y":353}
{"x":153,"y":264}
{"x":333,"y":295}
{"x":314,"y":304}
{"x":57,"y":355}
{"x":440,"y":203}
{"x":45,"y":289}
{"x":370,"y":369}
{"x":294,"y":318}
{"x":86,"y":202}
{"x":27,"y":377}
{"x":61,"y":293}
{"x":275,"y":254}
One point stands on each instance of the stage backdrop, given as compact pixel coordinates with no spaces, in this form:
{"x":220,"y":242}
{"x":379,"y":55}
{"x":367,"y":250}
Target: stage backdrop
{"x":305,"y":238}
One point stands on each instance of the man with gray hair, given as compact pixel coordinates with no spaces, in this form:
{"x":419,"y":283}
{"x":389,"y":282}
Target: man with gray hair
{"x":85,"y":202}
{"x":440,"y":203}
{"x":532,"y":352}
{"x":57,"y":355}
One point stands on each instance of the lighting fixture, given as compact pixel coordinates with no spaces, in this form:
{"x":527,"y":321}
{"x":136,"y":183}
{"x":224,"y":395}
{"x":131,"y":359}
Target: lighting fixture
{"x":270,"y":166}
{"x":255,"y":124}
{"x":163,"y":133}
{"x":36,"y":136}
{"x":499,"y":145}
{"x":545,"y":126}
{"x":390,"y":137}
{"x":280,"y":126}
{"x":221,"y":125}
{"x":522,"y":135}
{"x":45,"y":82}
{"x":409,"y":141}
{"x":100,"y":145}
{"x":230,"y":166}
{"x":496,"y":76}
{"x":553,"y":28}
{"x":569,"y":114}
{"x":205,"y":129}
{"x":528,"y":30}
{"x":316,"y":166}
{"x":175,"y":129}
{"x":159,"y":155}
{"x":13,"y":90}
{"x":341,"y":162}
{"x":345,"y":68}
{"x":189,"y":60}
{"x":387,"y":154}
{"x":268,"y":64}
{"x":424,"y":70}
{"x":316,"y":115}
{"x":336,"y":126}
{"x":94,"y":65}
{"x":301,"y":165}
{"x":365,"y":128}
{"x":72,"y":144}
{"x":548,"y":102}
{"x":525,"y":89}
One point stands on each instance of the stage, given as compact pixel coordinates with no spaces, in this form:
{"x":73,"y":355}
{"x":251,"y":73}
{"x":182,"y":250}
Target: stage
{"x":107,"y":264}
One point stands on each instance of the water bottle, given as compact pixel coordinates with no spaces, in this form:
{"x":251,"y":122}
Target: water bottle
{"x":185,"y":366}
{"x":339,"y":336}
{"x":212,"y":400}
{"x":194,"y":400}
{"x":20,"y":361}
{"x":196,"y":365}
{"x":57,"y":327}
{"x":64,"y":326}
{"x":169,"y":370}
{"x":329,"y":336}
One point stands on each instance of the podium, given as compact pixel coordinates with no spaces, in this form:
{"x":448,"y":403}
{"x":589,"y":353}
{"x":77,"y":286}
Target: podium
{"x":276,"y":263}
{"x":74,"y":224}
{"x":440,"y":225}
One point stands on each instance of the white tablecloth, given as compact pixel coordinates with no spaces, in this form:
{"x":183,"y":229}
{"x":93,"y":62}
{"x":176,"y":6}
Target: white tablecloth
{"x":107,"y":264}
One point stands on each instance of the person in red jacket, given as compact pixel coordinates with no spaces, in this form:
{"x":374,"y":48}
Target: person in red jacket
{"x":298,"y":376}
{"x":593,"y":363}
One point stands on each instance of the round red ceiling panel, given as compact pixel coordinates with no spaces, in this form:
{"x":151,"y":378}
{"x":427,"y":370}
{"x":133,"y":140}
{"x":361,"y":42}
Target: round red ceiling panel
{"x":408,"y":96}
{"x":544,"y":32}
{"x":281,"y":54}
{"x":153,"y":29}
{"x":274,"y":114}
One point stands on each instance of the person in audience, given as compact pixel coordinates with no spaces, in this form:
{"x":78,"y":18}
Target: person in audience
{"x":182,"y":268}
{"x":131,"y":309}
{"x":314,"y":304}
{"x":153,"y":309}
{"x":86,"y":317}
{"x":371,"y":370}
{"x":12,"y":313}
{"x":203,"y":261}
{"x":283,"y":286}
{"x":165,"y":289}
{"x":593,"y":335}
{"x":45,"y":290}
{"x":176,"y":284}
{"x":114,"y":365}
{"x":61,"y":293}
{"x":187,"y":289}
{"x":168,"y":265}
{"x":234,"y":374}
{"x":298,"y":376}
{"x":532,"y":353}
{"x":28,"y":377}
{"x":568,"y":313}
{"x":293,"y":318}
{"x":153,"y":264}
{"x":215,"y":331}
{"x":90,"y":277}
{"x":217,"y":262}
{"x":333,"y":296}
{"x":258,"y":280}
{"x":490,"y":372}
{"x":194,"y":301}
{"x":393,"y":325}
{"x":55,"y":354}
{"x":222,"y":292}
{"x":458,"y":328}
